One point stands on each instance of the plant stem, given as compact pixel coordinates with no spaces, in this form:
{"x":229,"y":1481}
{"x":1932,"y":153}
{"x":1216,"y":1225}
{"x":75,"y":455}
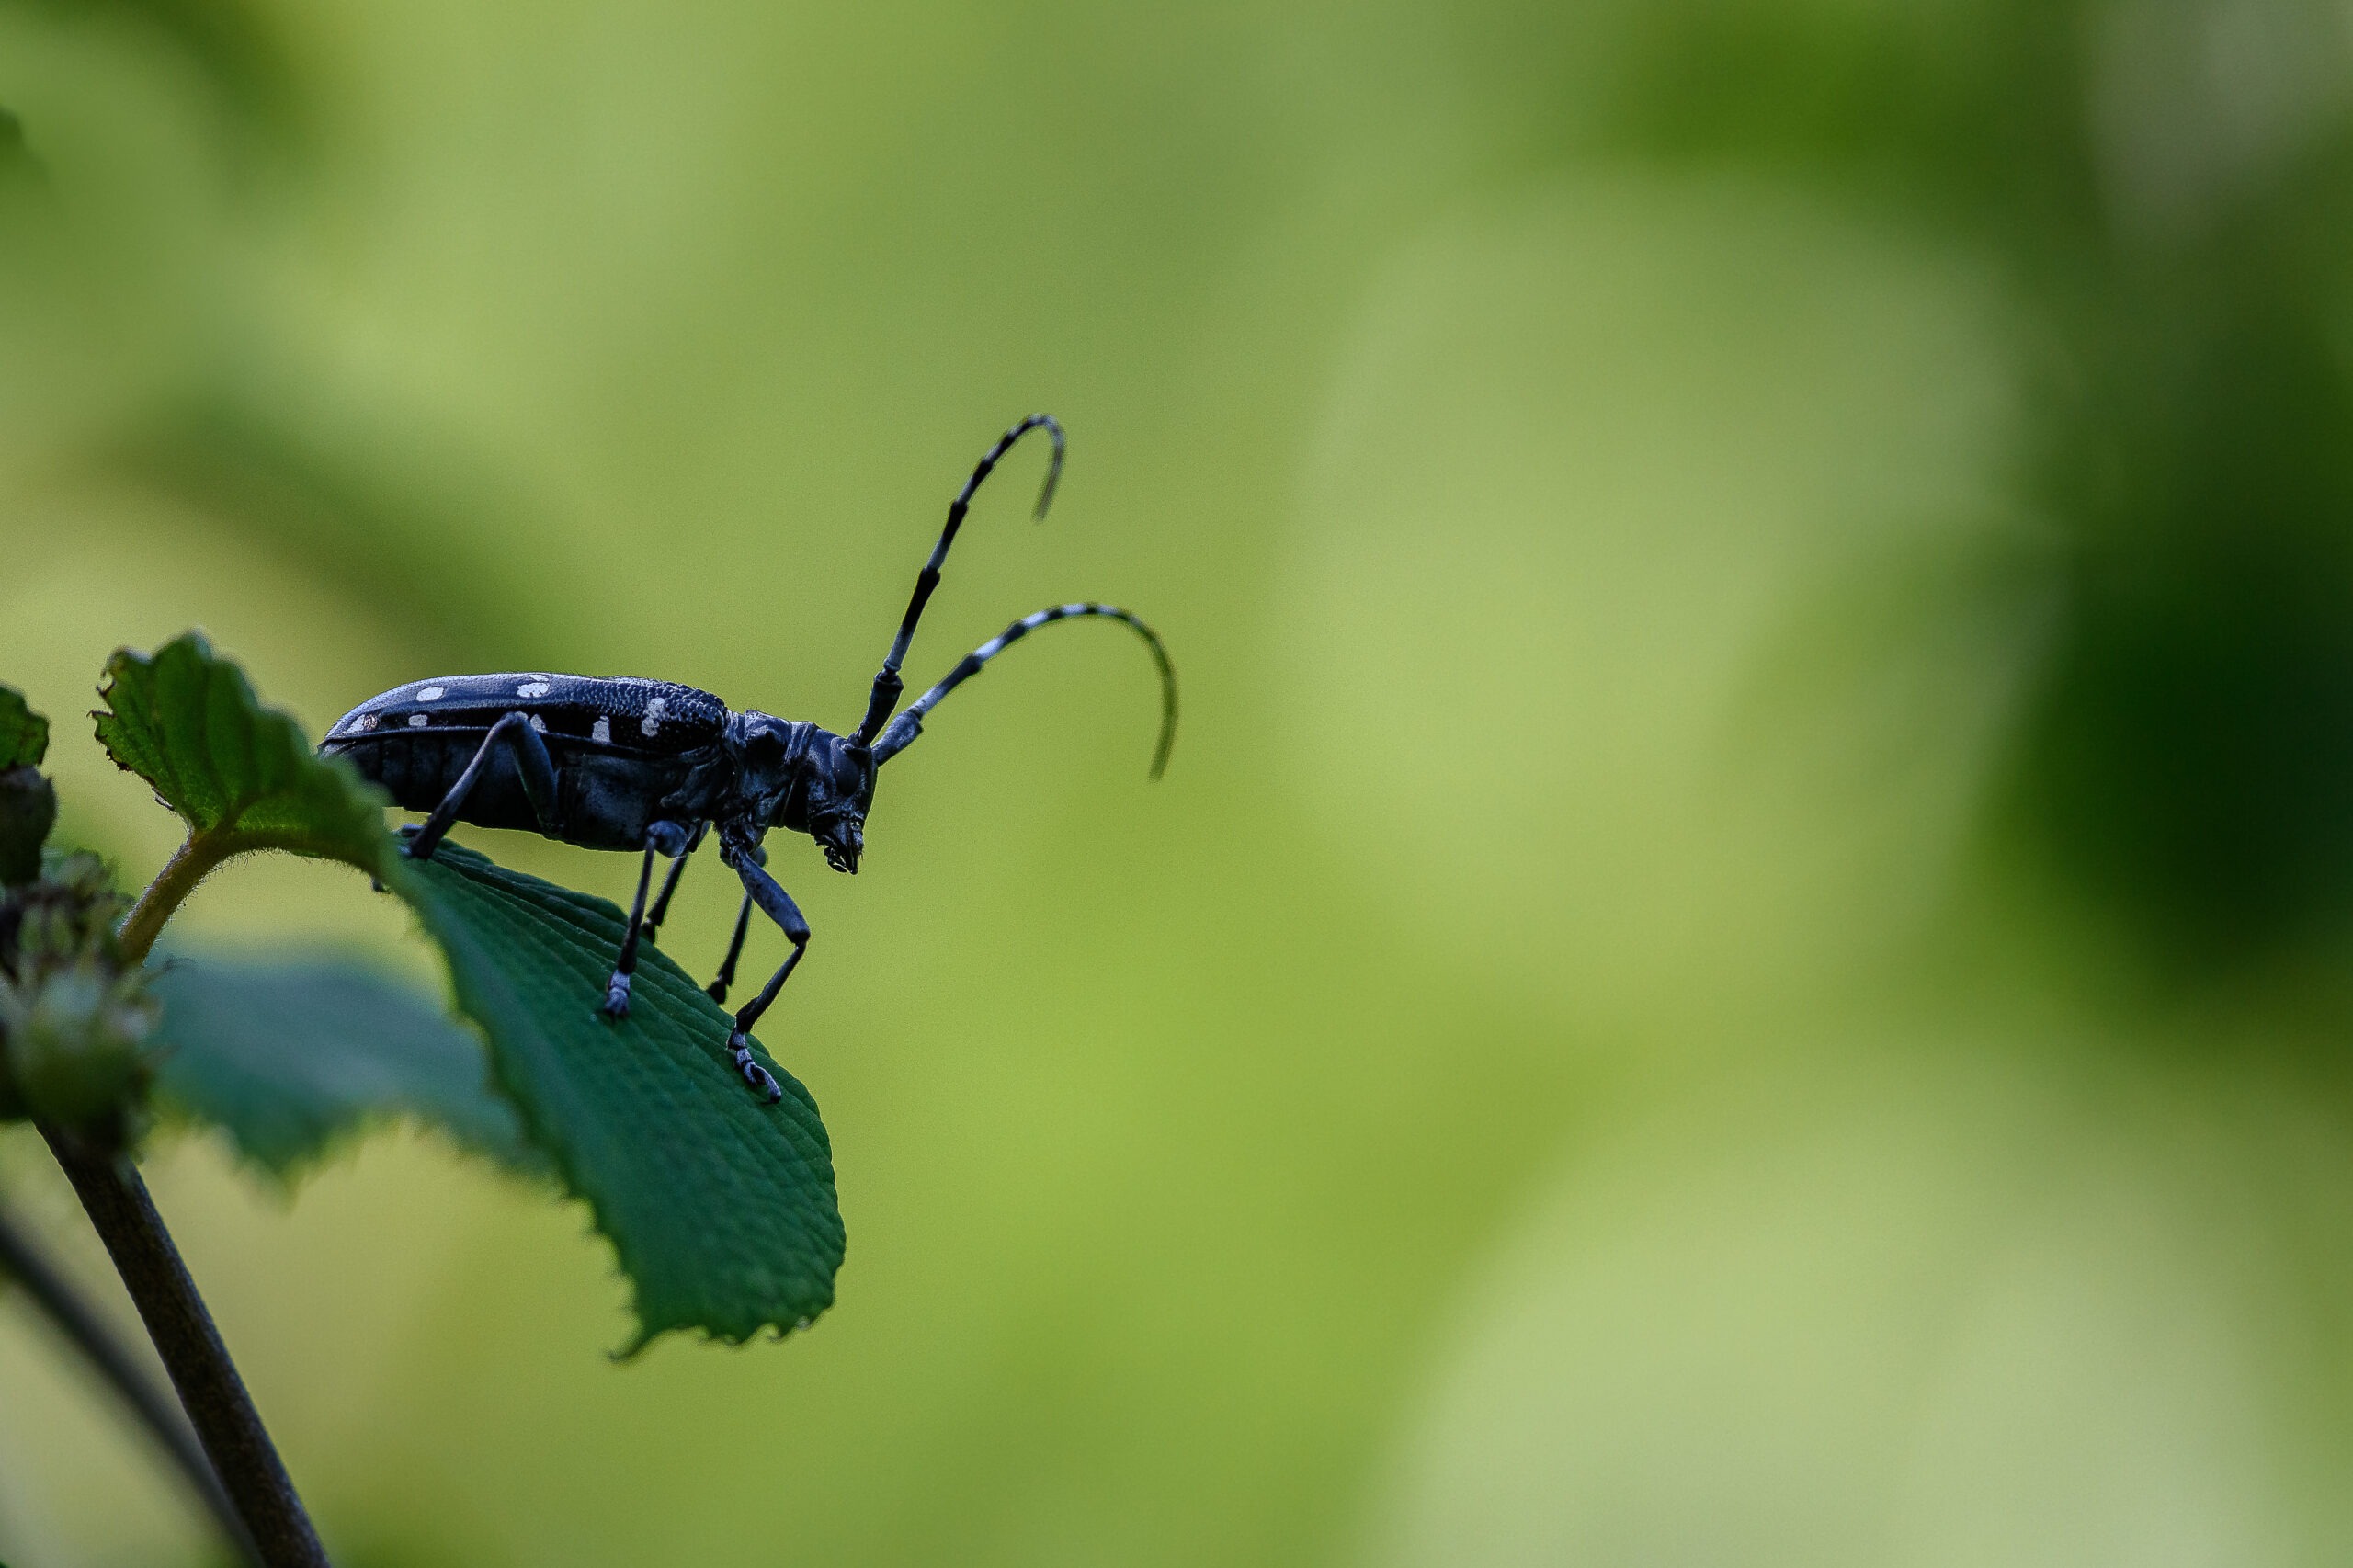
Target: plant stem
{"x":22,"y":1260}
{"x":209,"y":1389}
{"x":198,"y":857}
{"x":190,"y":864}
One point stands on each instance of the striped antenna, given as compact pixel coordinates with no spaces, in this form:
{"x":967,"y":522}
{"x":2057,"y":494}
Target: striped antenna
{"x":887,"y":685}
{"x":909,"y":725}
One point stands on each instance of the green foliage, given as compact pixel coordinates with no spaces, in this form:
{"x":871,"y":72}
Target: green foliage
{"x":23,"y":735}
{"x":242,"y":776}
{"x":289,"y":1057}
{"x":721,"y":1205}
{"x":28,"y":803}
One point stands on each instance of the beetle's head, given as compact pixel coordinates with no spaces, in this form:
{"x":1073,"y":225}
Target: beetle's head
{"x":841,"y":789}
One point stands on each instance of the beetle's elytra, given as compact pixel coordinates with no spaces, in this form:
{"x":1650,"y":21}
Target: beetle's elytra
{"x":653,"y":765}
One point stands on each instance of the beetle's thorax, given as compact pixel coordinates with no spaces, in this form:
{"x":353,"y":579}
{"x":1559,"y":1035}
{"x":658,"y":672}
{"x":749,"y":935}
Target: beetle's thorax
{"x":794,"y":774}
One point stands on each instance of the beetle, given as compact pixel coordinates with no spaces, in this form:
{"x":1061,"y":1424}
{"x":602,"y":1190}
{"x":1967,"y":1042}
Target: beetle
{"x":650,"y":766}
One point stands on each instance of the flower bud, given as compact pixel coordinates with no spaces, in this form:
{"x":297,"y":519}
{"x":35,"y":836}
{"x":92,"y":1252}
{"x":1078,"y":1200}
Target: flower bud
{"x":72,"y":1041}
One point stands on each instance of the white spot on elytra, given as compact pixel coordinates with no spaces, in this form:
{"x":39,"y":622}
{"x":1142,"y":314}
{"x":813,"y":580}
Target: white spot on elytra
{"x":416,"y":720}
{"x":532,"y":689}
{"x":430,"y":693}
{"x":601,"y":732}
{"x":538,"y":723}
{"x":366,"y":721}
{"x":652,"y":723}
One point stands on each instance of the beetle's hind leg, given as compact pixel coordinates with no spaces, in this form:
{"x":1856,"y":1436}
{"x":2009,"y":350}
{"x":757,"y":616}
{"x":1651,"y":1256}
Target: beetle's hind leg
{"x":531,"y":760}
{"x":661,"y":838}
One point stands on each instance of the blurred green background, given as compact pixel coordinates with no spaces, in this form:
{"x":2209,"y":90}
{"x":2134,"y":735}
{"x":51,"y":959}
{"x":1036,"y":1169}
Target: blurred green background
{"x":1746,"y":955}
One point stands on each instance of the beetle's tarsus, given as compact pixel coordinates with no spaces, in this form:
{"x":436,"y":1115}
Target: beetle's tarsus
{"x":739,"y":1045}
{"x":617,"y":997}
{"x":716,"y":991}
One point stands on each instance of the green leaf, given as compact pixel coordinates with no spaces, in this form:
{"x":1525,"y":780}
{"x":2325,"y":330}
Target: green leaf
{"x":719,"y":1205}
{"x":28,"y":803}
{"x":242,"y":776}
{"x":289,"y":1058}
{"x":23,"y":735}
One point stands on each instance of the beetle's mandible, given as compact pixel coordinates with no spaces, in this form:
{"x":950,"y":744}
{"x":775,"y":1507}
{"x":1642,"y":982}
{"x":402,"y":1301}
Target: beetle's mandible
{"x":653,"y":766}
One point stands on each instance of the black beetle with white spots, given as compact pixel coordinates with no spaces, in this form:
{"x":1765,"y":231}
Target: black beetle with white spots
{"x":652,"y":765}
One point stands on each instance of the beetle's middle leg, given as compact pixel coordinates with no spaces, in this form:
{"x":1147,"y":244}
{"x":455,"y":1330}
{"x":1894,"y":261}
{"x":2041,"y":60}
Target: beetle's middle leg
{"x":777,"y":906}
{"x":719,"y":982}
{"x":717,"y":989}
{"x":661,"y":838}
{"x":660,"y":910}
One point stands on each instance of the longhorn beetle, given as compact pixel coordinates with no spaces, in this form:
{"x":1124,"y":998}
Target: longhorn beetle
{"x":652,"y":765}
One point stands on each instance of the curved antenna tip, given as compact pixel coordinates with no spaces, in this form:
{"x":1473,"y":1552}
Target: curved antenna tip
{"x":1053,"y":427}
{"x":1167,"y":701}
{"x":1168,"y":718}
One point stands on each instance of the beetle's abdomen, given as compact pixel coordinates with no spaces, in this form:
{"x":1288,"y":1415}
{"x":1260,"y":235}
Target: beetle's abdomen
{"x":620,"y":748}
{"x":417,"y":770}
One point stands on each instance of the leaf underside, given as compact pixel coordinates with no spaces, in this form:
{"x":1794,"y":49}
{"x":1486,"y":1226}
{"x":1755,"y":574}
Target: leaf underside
{"x":290,"y":1058}
{"x":187,"y":721}
{"x":721,"y":1205}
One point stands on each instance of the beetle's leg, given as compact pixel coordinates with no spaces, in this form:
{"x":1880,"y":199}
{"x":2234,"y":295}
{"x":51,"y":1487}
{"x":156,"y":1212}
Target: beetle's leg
{"x":660,"y":910}
{"x":777,"y":906}
{"x":717,"y":989}
{"x":661,"y":838}
{"x":514,"y":733}
{"x":726,"y":976}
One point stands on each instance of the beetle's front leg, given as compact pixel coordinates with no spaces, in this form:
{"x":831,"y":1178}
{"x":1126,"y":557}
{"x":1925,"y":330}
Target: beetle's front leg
{"x":777,"y":906}
{"x":661,"y":838}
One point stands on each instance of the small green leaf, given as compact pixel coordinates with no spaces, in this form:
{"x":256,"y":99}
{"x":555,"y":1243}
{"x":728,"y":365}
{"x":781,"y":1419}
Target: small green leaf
{"x":28,"y":803}
{"x":186,"y":721}
{"x":27,"y":810}
{"x":719,"y":1205}
{"x":23,"y":735}
{"x":289,"y":1057}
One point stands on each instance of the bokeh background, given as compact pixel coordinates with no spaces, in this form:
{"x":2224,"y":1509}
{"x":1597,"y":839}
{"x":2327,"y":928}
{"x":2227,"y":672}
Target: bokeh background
{"x":1748,"y":950}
